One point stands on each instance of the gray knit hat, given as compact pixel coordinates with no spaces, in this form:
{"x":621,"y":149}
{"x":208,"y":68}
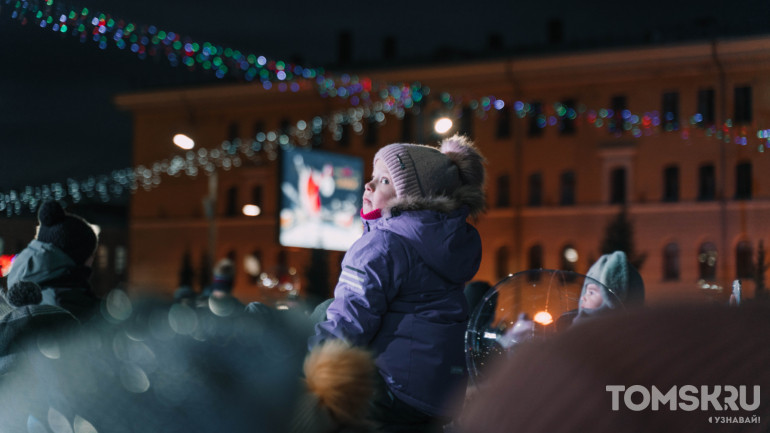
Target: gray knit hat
{"x":424,"y":171}
{"x":614,"y":271}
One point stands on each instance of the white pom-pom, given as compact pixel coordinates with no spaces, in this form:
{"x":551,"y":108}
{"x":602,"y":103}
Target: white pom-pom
{"x":467,"y":158}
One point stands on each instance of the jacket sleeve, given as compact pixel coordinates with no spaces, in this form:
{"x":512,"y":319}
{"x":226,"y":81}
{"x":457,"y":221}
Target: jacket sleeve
{"x":368,"y":281}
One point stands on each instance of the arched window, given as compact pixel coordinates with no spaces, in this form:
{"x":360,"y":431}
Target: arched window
{"x":567,"y":188}
{"x":671,"y":262}
{"x":501,"y":263}
{"x":535,"y":189}
{"x":535,"y":257}
{"x":744,"y":257}
{"x":707,"y":261}
{"x":671,"y":183}
{"x":535,"y":261}
{"x":743,"y":181}
{"x":618,"y":186}
{"x":232,"y":201}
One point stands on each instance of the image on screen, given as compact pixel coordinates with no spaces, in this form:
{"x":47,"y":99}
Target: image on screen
{"x":320,"y":199}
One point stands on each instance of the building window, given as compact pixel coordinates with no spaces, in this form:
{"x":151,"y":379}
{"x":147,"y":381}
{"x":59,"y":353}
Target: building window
{"x":618,"y":186}
{"x":535,"y":257}
{"x":567,"y":188}
{"x":503,"y":123}
{"x":233,"y":131}
{"x":618,"y":111}
{"x":707,"y":261}
{"x":372,"y":131}
{"x":256,"y":195}
{"x":503,"y":191}
{"x":501,"y":263}
{"x":466,"y":122}
{"x":742,"y":109}
{"x":285,"y":126}
{"x":535,"y":262}
{"x":743,"y":181}
{"x":535,"y":189}
{"x":671,"y":262}
{"x":671,"y":183}
{"x":259,"y":126}
{"x":536,"y":119}
{"x":706,"y":182}
{"x":744,"y":256}
{"x":120,"y":260}
{"x":567,"y":116}
{"x":705,"y":115}
{"x":232,"y":201}
{"x":670,"y":111}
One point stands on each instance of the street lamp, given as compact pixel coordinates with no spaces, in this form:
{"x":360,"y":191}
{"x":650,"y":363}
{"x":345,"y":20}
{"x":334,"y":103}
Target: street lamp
{"x":442,"y":125}
{"x":183,"y":141}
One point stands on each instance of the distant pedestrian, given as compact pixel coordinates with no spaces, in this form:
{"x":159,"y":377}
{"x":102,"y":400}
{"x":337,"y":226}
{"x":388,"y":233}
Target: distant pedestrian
{"x":59,"y":260}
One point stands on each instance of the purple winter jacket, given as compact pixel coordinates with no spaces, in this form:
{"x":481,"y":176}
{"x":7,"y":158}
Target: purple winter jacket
{"x":400,"y":293}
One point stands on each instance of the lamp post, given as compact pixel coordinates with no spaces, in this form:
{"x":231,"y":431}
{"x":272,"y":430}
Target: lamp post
{"x":209,"y":202}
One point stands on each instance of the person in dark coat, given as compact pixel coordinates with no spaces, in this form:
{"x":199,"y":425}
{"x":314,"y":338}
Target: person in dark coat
{"x":59,"y":260}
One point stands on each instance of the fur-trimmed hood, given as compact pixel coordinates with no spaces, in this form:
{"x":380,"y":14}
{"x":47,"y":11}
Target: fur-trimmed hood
{"x":470,"y":196}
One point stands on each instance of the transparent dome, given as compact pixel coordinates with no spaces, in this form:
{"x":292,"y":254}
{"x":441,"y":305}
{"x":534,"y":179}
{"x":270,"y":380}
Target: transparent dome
{"x":530,"y":305}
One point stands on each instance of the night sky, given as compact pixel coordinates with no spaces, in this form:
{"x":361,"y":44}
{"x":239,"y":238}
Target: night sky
{"x":57,"y":119}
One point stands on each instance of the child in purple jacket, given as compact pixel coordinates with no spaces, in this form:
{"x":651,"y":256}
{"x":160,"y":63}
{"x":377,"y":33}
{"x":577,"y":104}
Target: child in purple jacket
{"x":400,"y":291}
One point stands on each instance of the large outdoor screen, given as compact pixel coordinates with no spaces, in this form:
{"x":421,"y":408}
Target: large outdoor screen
{"x":320,"y":199}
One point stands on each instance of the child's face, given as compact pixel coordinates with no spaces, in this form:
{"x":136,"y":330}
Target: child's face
{"x":592,"y":297}
{"x":380,"y":189}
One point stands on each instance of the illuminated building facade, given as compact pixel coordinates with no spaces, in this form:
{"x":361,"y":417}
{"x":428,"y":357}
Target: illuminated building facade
{"x":674,"y":136}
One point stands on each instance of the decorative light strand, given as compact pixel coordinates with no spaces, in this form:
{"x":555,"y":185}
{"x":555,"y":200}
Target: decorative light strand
{"x":359,"y":91}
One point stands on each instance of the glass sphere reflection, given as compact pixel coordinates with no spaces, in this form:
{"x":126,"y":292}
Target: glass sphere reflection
{"x":530,"y":305}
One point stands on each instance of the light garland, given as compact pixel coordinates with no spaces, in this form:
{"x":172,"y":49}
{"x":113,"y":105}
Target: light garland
{"x":368,"y":101}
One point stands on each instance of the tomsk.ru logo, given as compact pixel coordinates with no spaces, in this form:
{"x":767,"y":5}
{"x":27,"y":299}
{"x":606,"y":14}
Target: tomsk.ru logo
{"x":687,"y":397}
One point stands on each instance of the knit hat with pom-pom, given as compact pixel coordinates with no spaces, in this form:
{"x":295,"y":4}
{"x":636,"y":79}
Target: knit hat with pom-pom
{"x":70,"y":233}
{"x":421,"y":171}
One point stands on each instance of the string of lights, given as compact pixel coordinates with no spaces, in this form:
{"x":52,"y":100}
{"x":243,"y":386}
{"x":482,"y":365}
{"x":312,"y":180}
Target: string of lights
{"x":369,"y":102}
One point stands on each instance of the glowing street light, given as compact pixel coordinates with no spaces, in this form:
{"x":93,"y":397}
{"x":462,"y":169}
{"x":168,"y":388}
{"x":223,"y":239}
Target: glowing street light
{"x":442,"y":125}
{"x":251,"y":210}
{"x":184,"y":141}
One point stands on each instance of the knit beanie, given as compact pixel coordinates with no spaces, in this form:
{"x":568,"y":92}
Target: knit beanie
{"x":421,"y":171}
{"x":224,"y":273}
{"x":616,"y":273}
{"x":70,"y":233}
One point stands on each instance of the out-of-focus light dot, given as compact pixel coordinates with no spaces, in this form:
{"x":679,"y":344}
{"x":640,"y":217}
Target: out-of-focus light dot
{"x":261,"y":60}
{"x":134,"y":379}
{"x":182,"y":319}
{"x":267,"y":85}
{"x":251,"y":210}
{"x":571,"y":255}
{"x":118,"y":305}
{"x":80,"y":425}
{"x":442,"y":125}
{"x":543,"y":318}
{"x":57,"y":421}
{"x":301,"y":125}
{"x":518,"y":106}
{"x":499,"y":104}
{"x":48,"y":346}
